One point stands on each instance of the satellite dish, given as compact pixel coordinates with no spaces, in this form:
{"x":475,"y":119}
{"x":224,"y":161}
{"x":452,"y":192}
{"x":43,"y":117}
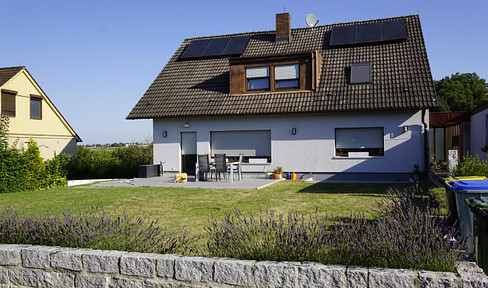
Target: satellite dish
{"x":311,"y":20}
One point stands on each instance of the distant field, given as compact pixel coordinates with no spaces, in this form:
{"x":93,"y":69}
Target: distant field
{"x":107,"y":148}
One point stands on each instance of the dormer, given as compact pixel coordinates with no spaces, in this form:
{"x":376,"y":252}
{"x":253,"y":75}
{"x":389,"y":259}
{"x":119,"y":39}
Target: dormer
{"x":277,"y":73}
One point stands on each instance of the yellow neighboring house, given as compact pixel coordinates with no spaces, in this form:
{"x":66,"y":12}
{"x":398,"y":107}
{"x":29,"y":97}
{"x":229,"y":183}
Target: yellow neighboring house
{"x":33,"y":115}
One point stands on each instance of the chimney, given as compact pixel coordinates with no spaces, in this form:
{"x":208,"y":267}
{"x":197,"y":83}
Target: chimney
{"x":283,"y":27}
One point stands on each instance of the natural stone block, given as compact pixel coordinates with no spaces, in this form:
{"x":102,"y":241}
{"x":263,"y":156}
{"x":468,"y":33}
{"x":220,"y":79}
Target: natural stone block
{"x":10,"y":254}
{"x":3,"y":275}
{"x":68,"y":258}
{"x":54,"y":280}
{"x":37,"y":256}
{"x":101,"y":261}
{"x":165,"y":265}
{"x":275,"y":274}
{"x":234,"y":272}
{"x":139,"y":264}
{"x":24,"y":277}
{"x":357,"y":276}
{"x":197,"y":269}
{"x":471,"y":275}
{"x":382,"y":277}
{"x":319,"y":275}
{"x":90,"y":281}
{"x":430,"y":279}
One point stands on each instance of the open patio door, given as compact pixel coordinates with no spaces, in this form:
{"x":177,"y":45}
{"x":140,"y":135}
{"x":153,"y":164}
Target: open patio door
{"x":188,"y":152}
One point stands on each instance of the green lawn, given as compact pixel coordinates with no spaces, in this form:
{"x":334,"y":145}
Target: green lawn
{"x":193,"y":207}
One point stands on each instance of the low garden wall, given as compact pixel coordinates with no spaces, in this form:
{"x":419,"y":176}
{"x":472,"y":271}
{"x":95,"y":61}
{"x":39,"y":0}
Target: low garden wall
{"x":41,"y":266}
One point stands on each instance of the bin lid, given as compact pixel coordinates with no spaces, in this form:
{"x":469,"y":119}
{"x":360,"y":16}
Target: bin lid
{"x":469,"y":185}
{"x":461,"y":178}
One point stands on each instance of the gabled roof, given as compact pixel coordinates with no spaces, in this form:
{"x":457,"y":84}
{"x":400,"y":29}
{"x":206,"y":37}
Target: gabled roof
{"x":401,"y":78}
{"x":8,"y":73}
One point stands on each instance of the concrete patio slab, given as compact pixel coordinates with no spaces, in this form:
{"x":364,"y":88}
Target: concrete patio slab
{"x":167,"y":180}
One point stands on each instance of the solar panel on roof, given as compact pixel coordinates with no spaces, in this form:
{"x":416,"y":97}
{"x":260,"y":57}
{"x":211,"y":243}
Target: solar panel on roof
{"x":393,"y":30}
{"x":215,"y":47}
{"x":367,"y":33}
{"x":236,"y":45}
{"x":342,"y":35}
{"x":195,"y":49}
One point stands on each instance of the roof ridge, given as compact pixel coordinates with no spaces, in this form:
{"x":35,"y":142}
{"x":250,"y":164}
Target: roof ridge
{"x":301,"y":28}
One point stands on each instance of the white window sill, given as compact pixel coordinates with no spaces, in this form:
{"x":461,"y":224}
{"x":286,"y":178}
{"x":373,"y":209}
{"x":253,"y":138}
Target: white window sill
{"x":357,"y":157}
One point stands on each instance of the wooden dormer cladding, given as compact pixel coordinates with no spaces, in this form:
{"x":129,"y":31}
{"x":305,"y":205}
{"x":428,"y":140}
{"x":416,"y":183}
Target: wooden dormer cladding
{"x":310,"y":64}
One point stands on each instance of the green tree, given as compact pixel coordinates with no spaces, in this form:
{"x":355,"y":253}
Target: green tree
{"x":461,"y":92}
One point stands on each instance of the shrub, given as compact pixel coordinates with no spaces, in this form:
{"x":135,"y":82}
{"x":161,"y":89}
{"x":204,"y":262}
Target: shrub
{"x":26,"y":170}
{"x":91,"y":228}
{"x":102,"y":163}
{"x":471,"y":166}
{"x":404,"y":235}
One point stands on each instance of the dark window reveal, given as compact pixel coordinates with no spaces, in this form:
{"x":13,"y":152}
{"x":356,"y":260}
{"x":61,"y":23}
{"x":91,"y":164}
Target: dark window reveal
{"x":359,"y":142}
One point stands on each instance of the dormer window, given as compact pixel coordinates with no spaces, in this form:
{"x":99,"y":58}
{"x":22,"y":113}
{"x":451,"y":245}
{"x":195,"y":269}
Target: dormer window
{"x":287,"y":76}
{"x":277,"y":73}
{"x":257,"y":78}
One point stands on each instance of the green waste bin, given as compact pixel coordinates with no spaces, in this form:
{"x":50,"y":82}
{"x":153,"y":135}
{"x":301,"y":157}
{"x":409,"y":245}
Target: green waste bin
{"x":480,"y":231}
{"x":462,"y":190}
{"x":451,"y":198}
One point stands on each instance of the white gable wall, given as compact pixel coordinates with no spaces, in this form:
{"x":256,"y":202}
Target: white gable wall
{"x":479,"y":133}
{"x":312,"y":149}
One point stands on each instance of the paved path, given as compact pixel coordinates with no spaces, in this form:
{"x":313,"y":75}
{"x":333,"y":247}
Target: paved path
{"x":167,"y":180}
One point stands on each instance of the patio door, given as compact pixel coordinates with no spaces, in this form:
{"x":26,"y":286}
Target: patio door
{"x":188,"y":152}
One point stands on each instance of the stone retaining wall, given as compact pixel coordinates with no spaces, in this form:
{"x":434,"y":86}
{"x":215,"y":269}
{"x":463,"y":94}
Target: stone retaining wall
{"x":41,"y":266}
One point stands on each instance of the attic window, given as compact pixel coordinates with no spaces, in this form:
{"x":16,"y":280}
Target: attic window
{"x":277,"y":73}
{"x":35,"y":107}
{"x":257,"y":78}
{"x":287,"y":76}
{"x":360,"y":73}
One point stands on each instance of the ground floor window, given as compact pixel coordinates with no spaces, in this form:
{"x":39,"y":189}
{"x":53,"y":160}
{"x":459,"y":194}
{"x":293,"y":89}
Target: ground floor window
{"x":252,"y":144}
{"x":350,"y":142}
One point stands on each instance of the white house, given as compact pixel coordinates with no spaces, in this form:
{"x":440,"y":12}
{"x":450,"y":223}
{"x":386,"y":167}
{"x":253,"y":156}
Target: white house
{"x":347,"y":100}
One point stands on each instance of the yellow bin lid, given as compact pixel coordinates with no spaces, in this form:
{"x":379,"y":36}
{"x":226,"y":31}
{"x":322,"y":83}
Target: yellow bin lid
{"x":452,"y":179}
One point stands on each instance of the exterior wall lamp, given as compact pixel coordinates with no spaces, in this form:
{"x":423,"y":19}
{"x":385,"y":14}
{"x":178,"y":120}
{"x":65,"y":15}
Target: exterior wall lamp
{"x":293,"y":131}
{"x":405,"y":129}
{"x":165,"y":133}
{"x":186,"y":125}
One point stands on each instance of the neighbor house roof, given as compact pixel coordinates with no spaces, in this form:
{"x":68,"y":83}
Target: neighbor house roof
{"x":7,"y":73}
{"x":401,"y":78}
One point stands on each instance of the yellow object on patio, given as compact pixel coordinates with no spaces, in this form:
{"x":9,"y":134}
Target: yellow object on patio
{"x":181,"y":178}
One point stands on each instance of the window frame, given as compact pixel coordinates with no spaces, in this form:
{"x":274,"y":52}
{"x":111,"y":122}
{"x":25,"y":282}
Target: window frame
{"x":5,"y":94}
{"x":290,"y":79}
{"x":37,"y":98}
{"x":309,"y":68}
{"x":245,"y":158}
{"x":372,"y":152}
{"x":258,"y":78}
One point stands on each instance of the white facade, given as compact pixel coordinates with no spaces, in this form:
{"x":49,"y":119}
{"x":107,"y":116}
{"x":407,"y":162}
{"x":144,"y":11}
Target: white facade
{"x":312,"y":148}
{"x":479,"y":133}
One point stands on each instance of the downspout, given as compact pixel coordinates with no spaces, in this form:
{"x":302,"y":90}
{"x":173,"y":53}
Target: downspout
{"x":426,"y":139}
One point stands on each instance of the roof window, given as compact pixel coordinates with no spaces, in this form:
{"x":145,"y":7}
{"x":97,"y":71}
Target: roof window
{"x":360,"y":73}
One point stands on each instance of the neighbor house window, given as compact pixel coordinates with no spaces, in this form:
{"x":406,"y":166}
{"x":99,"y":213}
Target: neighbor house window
{"x":257,"y":78}
{"x":36,"y":107}
{"x":287,"y":76}
{"x":8,"y":102}
{"x":359,"y":142}
{"x":252,"y":144}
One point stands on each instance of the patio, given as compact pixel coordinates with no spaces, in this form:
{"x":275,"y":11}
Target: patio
{"x":255,"y":181}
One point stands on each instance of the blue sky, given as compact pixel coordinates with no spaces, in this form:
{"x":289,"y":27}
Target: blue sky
{"x":95,"y":59}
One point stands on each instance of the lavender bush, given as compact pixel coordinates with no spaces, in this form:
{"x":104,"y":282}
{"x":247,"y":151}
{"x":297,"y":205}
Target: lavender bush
{"x":91,"y":228}
{"x":405,"y":234}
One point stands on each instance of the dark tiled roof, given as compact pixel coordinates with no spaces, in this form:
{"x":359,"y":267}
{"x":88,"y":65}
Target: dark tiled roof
{"x":8,"y":72}
{"x":200,"y":87}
